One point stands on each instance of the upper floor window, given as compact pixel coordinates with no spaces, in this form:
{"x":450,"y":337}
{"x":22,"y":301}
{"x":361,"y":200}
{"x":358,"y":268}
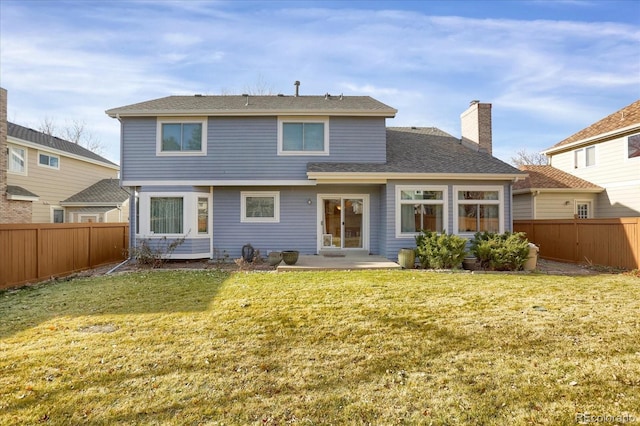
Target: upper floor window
{"x":584,"y":157}
{"x":633,"y":146}
{"x":479,"y":209}
{"x":17,"y":160}
{"x":420,"y":208}
{"x":181,"y":137}
{"x":48,"y":160}
{"x":303,"y":136}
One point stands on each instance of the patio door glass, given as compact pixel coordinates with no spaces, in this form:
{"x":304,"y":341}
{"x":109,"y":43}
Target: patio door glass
{"x":342,"y":222}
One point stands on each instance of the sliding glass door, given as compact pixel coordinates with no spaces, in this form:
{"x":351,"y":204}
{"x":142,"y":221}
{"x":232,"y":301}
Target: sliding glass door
{"x":342,"y":222}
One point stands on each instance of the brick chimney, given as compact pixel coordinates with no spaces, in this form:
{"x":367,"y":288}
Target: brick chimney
{"x":476,"y":125}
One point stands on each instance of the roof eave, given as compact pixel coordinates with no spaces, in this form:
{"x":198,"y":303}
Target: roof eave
{"x":557,"y":190}
{"x":593,"y":139}
{"x":115,"y":113}
{"x":383,"y":177}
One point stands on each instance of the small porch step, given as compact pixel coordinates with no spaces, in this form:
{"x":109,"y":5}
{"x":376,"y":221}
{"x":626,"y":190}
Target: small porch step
{"x":344,"y":253}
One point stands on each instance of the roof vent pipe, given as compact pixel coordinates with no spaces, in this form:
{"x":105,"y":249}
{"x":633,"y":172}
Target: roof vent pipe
{"x":297,"y":84}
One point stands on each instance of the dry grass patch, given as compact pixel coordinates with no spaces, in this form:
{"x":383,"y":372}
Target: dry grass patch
{"x":390,"y":347}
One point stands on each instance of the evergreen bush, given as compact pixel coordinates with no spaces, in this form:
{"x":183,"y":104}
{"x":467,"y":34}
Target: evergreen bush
{"x":440,"y":251}
{"x":500,"y":252}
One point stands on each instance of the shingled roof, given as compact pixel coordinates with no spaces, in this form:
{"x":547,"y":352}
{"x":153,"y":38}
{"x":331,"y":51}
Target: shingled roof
{"x":625,"y":117}
{"x":256,"y":105}
{"x":425,"y":150}
{"x":548,"y":177}
{"x":107,"y":191}
{"x":14,"y":190}
{"x":30,"y":135}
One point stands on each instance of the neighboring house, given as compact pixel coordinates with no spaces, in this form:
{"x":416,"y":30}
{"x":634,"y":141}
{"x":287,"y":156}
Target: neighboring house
{"x":104,"y":201}
{"x":550,"y":193}
{"x":317,"y":174}
{"x":607,"y":154}
{"x":39,"y":172}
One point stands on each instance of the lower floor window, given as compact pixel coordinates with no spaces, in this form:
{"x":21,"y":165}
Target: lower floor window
{"x":582,"y":210}
{"x":478,"y":218}
{"x":58,"y":216}
{"x":166,"y":215}
{"x":479,"y":209}
{"x":260,"y":207}
{"x":418,"y":217}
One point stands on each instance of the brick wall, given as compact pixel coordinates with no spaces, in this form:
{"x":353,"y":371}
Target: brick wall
{"x":11,"y":211}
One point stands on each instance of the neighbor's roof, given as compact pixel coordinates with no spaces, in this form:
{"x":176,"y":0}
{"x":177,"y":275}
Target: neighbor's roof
{"x":621,"y":119}
{"x":548,"y":177}
{"x":104,"y":191}
{"x":20,"y":191}
{"x":256,"y":105}
{"x":425,"y":150}
{"x":30,"y":135}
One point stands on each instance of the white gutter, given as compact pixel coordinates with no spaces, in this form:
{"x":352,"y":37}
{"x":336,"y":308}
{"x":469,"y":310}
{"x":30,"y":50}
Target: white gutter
{"x":592,"y":139}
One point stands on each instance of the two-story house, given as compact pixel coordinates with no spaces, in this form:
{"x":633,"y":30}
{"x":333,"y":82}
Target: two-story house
{"x":40,"y":173}
{"x":603,"y":162}
{"x":317,"y":174}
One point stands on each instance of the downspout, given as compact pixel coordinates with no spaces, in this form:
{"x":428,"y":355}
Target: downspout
{"x":132,"y":196}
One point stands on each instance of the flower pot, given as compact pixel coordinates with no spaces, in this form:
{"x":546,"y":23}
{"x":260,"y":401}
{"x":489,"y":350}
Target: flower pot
{"x":275,"y":257}
{"x":469,"y":263}
{"x":407,"y":258}
{"x":290,"y":257}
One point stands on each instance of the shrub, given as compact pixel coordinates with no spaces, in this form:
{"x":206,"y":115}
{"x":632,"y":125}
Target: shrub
{"x":440,"y":251}
{"x":155,"y":256}
{"x":500,"y":252}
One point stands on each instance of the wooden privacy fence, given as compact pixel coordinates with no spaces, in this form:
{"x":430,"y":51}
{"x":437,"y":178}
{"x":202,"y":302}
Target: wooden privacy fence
{"x":32,"y":252}
{"x":609,"y":242}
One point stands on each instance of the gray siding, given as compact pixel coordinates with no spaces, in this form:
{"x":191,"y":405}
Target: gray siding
{"x":298,"y":226}
{"x":246,"y":148}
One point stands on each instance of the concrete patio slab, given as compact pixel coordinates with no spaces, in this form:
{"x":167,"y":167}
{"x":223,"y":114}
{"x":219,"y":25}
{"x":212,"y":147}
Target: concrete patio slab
{"x":331,"y":263}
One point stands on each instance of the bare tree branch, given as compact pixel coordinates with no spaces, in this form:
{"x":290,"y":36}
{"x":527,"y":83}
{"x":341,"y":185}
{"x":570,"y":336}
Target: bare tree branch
{"x":524,"y":158}
{"x":75,"y":132}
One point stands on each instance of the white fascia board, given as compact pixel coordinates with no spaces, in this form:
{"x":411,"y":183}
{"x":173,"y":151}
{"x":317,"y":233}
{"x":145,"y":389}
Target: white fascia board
{"x":44,"y":148}
{"x":254,"y":113}
{"x":218,"y":182}
{"x":111,"y":204}
{"x":346,"y":177}
{"x":22,"y":198}
{"x":597,"y":138}
{"x":558,"y":190}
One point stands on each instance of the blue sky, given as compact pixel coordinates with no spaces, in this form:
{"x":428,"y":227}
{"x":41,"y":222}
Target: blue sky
{"x":550,"y":68}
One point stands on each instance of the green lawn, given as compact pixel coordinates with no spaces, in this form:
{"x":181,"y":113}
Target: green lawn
{"x":378,"y":347}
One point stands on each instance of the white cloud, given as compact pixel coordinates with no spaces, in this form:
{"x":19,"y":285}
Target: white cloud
{"x":428,"y":67}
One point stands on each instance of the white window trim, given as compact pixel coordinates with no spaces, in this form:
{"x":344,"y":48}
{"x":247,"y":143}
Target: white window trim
{"x":589,"y":204}
{"x":25,"y":159}
{"x":189,"y":214}
{"x":285,"y":119}
{"x":181,"y":120}
{"x":48,"y":154}
{"x":456,"y":203}
{"x":276,"y":206}
{"x":444,"y":202}
{"x":80,"y":216}
{"x":580,"y":157}
{"x":626,"y":149}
